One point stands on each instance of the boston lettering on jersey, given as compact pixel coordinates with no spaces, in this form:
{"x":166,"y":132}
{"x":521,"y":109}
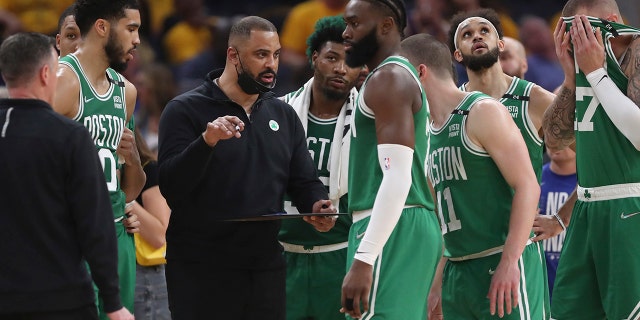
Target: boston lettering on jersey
{"x":106,"y":130}
{"x":445,"y":164}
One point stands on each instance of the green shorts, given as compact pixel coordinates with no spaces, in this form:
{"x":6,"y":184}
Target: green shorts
{"x":598,"y":274}
{"x":404,"y":270}
{"x":314,"y":284}
{"x":126,"y":271}
{"x":466,"y":284}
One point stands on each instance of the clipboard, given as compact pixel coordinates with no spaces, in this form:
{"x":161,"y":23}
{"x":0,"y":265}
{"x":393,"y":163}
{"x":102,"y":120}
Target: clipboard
{"x":284,"y":215}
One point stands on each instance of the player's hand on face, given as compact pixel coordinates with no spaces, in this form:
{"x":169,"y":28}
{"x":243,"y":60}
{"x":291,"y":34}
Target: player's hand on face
{"x":545,"y":227}
{"x":563,"y":50}
{"x":355,"y":289}
{"x":322,"y":224}
{"x":587,"y":44}
{"x":223,"y":128}
{"x":504,"y":289}
{"x":127,"y":148}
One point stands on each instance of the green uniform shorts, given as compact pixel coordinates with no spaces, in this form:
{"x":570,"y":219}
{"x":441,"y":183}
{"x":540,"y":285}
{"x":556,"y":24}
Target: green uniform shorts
{"x":126,"y":271}
{"x":466,"y":284}
{"x":404,"y":270}
{"x":598,"y":274}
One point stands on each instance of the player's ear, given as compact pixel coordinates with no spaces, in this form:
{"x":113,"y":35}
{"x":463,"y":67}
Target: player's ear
{"x":500,"y":45}
{"x":314,"y":58}
{"x":102,"y":27}
{"x":58,"y":41}
{"x":457,"y":55}
{"x":614,"y":17}
{"x":422,"y":71}
{"x":387,"y":25}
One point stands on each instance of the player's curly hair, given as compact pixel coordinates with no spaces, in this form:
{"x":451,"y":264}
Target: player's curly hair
{"x":326,"y":29}
{"x":486,"y":13}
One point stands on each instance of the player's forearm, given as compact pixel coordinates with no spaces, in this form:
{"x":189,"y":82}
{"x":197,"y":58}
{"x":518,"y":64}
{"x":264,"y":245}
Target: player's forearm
{"x":133,"y":180}
{"x":523,"y":211}
{"x":558,"y":119}
{"x":623,"y":112}
{"x":390,"y":200}
{"x":567,"y":208}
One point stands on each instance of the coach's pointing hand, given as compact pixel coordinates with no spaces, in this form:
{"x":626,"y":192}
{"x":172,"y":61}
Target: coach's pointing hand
{"x":222,"y":128}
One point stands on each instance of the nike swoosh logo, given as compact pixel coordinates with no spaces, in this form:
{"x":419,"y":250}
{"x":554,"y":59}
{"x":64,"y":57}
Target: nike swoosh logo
{"x":87,"y":100}
{"x":359,"y":236}
{"x":491,"y":272}
{"x":624,"y":216}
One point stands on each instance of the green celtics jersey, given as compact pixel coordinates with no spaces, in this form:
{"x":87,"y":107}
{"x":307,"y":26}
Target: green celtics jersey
{"x":516,"y":99}
{"x":105,"y":118}
{"x":474,"y":200}
{"x":604,"y":155}
{"x":365,"y":174}
{"x":320,"y":133}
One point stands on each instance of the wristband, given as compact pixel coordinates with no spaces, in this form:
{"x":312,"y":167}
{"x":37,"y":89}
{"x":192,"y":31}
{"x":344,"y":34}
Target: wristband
{"x":555,"y":215}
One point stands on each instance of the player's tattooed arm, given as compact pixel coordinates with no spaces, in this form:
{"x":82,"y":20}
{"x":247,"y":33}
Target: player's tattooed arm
{"x":631,"y":66}
{"x":558,"y":120}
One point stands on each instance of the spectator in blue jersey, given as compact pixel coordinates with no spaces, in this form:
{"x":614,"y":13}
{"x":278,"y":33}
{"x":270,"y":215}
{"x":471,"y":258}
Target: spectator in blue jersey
{"x":559,"y":179}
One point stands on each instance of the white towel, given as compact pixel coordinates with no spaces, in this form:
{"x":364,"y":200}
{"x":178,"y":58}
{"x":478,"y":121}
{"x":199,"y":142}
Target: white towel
{"x":339,"y":159}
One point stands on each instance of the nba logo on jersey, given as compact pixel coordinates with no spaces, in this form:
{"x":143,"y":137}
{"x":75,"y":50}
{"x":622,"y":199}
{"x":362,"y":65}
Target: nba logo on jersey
{"x":387,"y":163}
{"x":117,"y":102}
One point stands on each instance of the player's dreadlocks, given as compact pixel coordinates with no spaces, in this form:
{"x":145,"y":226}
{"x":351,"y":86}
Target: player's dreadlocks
{"x":396,"y":9}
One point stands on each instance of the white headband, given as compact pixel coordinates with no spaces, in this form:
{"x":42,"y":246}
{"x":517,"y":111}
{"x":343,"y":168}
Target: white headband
{"x":466,"y":22}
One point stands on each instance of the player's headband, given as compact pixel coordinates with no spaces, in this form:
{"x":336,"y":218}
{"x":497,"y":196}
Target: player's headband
{"x":466,"y":22}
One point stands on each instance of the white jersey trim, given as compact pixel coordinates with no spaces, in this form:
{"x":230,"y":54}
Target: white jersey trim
{"x":466,"y":141}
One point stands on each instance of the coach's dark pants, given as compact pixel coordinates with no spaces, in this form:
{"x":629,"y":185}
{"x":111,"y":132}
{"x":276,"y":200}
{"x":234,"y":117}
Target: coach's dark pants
{"x":88,"y":312}
{"x":204,"y":291}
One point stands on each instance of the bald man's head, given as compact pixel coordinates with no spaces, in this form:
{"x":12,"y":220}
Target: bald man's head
{"x":513,"y":59}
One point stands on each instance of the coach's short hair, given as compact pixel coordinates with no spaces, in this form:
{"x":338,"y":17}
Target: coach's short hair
{"x":241,"y":30}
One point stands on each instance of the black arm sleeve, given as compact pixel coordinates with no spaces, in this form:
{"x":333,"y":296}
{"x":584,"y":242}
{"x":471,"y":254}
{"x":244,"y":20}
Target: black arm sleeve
{"x":183,"y":156}
{"x":90,"y":207}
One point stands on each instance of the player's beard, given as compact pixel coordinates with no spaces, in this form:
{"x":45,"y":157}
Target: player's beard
{"x":330,"y":92}
{"x":334,"y":95}
{"x":115,"y":54}
{"x":362,"y":51}
{"x":485,"y":61}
